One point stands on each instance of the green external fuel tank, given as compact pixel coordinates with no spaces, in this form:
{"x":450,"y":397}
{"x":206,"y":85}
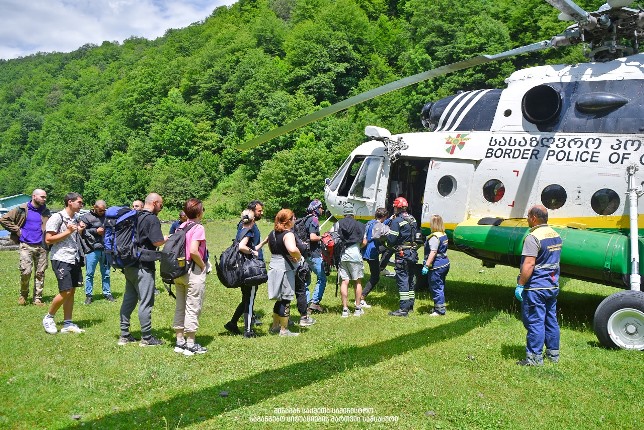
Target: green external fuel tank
{"x":596,"y":256}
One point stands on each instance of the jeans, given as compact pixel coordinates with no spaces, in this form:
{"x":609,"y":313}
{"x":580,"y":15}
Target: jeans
{"x":315,"y":264}
{"x":91,"y":260}
{"x":539,"y":314}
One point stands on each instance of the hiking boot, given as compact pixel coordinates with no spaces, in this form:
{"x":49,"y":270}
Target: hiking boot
{"x":22,"y":301}
{"x":49,"y":324}
{"x":288,"y":333}
{"x":150,"y":341}
{"x":398,"y":313}
{"x":552,"y":355}
{"x":364,"y":304}
{"x":88,"y":300}
{"x":232,"y":328}
{"x":250,"y":334}
{"x":194,"y":349}
{"x":72,"y":328}
{"x":315,"y":307}
{"x":358,"y":312}
{"x":180,"y":347}
{"x":38,"y":302}
{"x":306,"y":321}
{"x":109,"y":298}
{"x":531,"y":360}
{"x":124,"y":340}
{"x":345,"y":313}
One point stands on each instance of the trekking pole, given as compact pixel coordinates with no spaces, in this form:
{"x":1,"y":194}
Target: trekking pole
{"x":337,"y":281}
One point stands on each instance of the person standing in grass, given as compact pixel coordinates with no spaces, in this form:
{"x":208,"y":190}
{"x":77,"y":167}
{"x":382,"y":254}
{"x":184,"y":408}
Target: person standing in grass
{"x":140,"y":278}
{"x":281,"y":274}
{"x":191,"y":286}
{"x":94,"y":222}
{"x":246,"y":238}
{"x":63,"y":233}
{"x":436,"y":263}
{"x":26,"y":224}
{"x":175,"y":224}
{"x":351,"y":266}
{"x":537,"y":288}
{"x":374,"y":230}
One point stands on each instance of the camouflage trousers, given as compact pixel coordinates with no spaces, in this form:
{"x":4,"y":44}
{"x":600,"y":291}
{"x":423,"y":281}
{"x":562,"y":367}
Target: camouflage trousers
{"x":32,"y":257}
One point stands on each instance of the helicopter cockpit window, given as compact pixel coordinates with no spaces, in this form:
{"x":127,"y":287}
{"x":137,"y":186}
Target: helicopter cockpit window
{"x":553,"y":196}
{"x":348,"y":175}
{"x":366,"y":181}
{"x":446,"y":185}
{"x":339,"y":175}
{"x":605,"y":201}
{"x":493,"y":190}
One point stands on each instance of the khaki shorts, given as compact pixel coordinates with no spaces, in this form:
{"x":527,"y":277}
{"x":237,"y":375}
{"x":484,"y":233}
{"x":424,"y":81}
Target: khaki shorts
{"x":351,"y":270}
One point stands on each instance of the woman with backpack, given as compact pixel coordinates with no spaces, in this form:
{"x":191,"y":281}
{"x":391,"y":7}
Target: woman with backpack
{"x":281,"y":276}
{"x":191,"y":286}
{"x":246,"y":238}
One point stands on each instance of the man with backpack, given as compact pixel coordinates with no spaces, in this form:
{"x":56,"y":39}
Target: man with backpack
{"x":140,"y":276}
{"x":94,"y":251}
{"x":351,"y":266}
{"x":400,"y":238}
{"x":314,"y":260}
{"x":26,"y":223}
{"x":374,"y":231}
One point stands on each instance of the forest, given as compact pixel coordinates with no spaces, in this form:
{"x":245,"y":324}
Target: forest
{"x":119,"y":120}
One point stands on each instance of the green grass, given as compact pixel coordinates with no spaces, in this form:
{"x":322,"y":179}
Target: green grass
{"x":456,"y":372}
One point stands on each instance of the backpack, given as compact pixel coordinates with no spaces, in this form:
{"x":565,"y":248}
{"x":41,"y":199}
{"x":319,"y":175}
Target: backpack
{"x":302,"y":232}
{"x":173,"y":256}
{"x":230,"y":266}
{"x":416,"y":236}
{"x":121,"y":238}
{"x":332,"y":247}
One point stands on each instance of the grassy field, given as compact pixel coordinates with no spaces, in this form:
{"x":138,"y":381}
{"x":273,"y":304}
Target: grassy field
{"x":376,"y":371}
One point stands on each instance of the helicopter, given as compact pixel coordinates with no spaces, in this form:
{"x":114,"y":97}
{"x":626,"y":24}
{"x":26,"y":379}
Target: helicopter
{"x":570,"y":137}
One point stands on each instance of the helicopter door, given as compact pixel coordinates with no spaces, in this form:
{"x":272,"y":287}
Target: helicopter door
{"x":364,"y":190}
{"x":447,"y":190}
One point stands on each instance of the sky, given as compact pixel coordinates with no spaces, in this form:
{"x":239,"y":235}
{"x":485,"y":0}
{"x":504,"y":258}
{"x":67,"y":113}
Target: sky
{"x":31,"y":26}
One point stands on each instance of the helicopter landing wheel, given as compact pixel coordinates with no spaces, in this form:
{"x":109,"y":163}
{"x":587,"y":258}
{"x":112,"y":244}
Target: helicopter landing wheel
{"x":619,"y":320}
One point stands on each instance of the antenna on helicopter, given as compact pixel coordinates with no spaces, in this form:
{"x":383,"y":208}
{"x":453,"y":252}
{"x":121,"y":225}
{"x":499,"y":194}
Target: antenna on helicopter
{"x":393,"y":147}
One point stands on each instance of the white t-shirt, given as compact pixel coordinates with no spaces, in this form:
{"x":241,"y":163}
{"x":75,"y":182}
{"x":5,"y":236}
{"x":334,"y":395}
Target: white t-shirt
{"x":68,"y":249}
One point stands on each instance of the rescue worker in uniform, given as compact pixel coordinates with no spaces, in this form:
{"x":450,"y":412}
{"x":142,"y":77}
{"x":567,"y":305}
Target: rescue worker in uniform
{"x":401,"y":239}
{"x":537,"y":288}
{"x":436,"y":263}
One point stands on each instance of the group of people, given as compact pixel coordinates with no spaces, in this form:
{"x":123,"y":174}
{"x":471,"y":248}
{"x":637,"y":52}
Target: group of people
{"x":74,"y":241}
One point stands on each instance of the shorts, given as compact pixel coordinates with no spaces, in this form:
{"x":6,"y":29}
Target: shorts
{"x":69,"y":275}
{"x":351,"y":270}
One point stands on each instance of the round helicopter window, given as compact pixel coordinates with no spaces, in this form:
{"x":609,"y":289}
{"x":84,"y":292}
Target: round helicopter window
{"x":605,"y":201}
{"x":553,"y":196}
{"x":493,"y":190}
{"x":446,"y":185}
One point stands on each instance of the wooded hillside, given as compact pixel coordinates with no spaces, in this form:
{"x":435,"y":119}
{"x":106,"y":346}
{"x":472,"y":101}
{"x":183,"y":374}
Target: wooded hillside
{"x":118,"y":120}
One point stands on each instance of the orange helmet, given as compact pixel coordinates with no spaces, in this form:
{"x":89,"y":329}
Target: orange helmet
{"x":400,"y":202}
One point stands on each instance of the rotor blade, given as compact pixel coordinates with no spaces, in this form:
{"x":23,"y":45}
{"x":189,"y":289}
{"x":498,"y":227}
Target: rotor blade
{"x":571,"y":9}
{"x":392,"y":86}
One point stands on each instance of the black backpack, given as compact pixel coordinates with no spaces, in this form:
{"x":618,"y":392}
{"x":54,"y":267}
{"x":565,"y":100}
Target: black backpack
{"x":121,"y":238}
{"x":230,"y":266}
{"x":302,"y":232}
{"x":173,"y":256}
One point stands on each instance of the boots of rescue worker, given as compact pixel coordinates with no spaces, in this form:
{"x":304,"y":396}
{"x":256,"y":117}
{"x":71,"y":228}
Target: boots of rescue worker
{"x":531,"y":360}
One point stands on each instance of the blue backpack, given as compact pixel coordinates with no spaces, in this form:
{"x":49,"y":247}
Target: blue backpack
{"x":121,"y":238}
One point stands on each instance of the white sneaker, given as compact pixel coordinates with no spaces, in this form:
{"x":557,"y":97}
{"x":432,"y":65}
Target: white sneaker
{"x":72,"y":328}
{"x":364,"y":304}
{"x":436,"y":314}
{"x":49,"y":324}
{"x":358,"y":312}
{"x":345,"y":313}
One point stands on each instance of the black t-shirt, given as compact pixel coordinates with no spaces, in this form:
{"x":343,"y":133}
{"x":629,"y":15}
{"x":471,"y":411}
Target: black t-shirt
{"x":149,"y":231}
{"x":276,"y":243}
{"x":312,"y":225}
{"x":351,"y":231}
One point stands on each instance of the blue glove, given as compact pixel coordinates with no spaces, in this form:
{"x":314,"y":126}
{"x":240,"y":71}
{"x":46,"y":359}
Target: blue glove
{"x":425,"y":270}
{"x":518,"y":291}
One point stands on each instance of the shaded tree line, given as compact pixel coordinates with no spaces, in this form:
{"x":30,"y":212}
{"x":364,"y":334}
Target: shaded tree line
{"x":116,"y":121}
